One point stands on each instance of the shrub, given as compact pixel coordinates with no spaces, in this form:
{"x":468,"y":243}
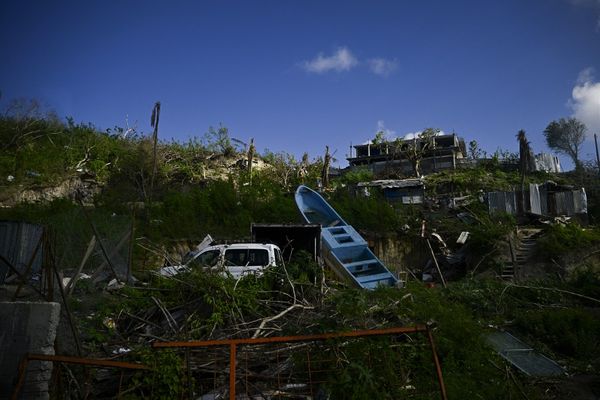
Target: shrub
{"x":562,"y":239}
{"x":571,"y":332}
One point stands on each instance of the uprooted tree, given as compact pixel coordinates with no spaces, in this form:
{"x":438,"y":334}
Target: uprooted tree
{"x":566,"y":136}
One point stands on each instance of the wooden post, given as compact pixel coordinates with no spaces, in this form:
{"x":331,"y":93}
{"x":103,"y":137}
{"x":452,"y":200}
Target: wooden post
{"x":154,"y":124}
{"x":436,"y":264}
{"x":597,"y":156}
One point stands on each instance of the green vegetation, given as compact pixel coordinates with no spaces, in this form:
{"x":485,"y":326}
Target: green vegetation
{"x":480,"y":179}
{"x":562,"y":239}
{"x":461,"y":315}
{"x":371,"y":213}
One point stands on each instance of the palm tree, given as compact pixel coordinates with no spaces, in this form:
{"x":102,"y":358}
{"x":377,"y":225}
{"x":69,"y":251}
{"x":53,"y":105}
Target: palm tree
{"x":525,"y":162}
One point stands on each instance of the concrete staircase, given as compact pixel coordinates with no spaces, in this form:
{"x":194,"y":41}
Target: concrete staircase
{"x":523,"y":250}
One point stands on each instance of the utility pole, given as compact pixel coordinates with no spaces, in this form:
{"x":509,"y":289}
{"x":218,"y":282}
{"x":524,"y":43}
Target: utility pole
{"x":597,"y":156}
{"x":154,"y":124}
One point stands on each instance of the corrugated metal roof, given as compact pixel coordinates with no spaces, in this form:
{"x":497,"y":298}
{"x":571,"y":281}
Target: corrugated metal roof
{"x":18,"y":240}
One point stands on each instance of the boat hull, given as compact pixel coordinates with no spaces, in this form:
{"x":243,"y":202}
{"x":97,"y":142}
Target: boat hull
{"x":344,"y":250}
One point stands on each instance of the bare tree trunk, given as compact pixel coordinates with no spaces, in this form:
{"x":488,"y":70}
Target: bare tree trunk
{"x":251,"y":150}
{"x":325,"y":171}
{"x":303,"y":170}
{"x":417,"y":168}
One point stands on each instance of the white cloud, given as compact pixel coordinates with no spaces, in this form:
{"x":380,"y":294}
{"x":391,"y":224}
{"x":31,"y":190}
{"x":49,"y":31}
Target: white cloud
{"x":382,"y":67}
{"x":388,"y":133}
{"x":585,"y":100}
{"x":341,"y":60}
{"x":586,"y":75}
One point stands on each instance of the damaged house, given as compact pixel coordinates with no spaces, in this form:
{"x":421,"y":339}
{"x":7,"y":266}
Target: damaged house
{"x":443,"y":154}
{"x":548,"y":199}
{"x":404,"y":191}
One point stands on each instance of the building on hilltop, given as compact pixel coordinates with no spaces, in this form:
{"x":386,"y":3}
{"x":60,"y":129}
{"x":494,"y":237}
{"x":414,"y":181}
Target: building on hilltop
{"x":443,"y":154}
{"x":547,"y":163}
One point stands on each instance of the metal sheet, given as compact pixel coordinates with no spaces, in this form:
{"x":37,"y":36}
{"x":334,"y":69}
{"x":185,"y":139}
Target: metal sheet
{"x":535,"y":199}
{"x":502,"y":202}
{"x":18,"y":240}
{"x":580,"y":201}
{"x":564,"y":203}
{"x":543,"y":199}
{"x":463,"y":237}
{"x":523,"y":356}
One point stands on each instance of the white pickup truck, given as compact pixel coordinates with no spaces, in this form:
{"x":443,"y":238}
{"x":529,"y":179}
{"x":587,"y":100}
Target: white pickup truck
{"x":236,"y":260}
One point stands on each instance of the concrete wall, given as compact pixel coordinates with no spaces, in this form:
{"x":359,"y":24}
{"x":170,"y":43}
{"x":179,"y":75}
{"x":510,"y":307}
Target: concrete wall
{"x":27,"y":328}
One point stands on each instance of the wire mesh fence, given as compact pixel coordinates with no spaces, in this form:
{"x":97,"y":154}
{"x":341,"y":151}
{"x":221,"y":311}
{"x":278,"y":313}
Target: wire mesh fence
{"x":393,"y":363}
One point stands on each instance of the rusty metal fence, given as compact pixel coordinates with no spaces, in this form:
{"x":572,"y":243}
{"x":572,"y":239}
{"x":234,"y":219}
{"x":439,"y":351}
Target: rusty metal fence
{"x":320,"y":366}
{"x":307,"y":366}
{"x":87,"y":362}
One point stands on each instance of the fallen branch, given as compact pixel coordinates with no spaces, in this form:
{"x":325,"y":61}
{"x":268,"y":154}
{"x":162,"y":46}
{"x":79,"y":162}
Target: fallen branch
{"x":71,"y":285}
{"x":166,"y":313}
{"x":480,"y":261}
{"x":552,"y":290}
{"x":281,"y":314}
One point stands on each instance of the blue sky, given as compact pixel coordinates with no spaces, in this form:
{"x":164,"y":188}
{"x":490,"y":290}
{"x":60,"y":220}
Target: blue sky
{"x":299,"y":75}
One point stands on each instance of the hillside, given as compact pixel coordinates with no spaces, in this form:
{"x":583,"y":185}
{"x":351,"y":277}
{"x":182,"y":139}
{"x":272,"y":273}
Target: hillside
{"x":80,"y":183}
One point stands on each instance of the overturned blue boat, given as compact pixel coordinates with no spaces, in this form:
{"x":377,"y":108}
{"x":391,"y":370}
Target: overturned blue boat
{"x":344,"y":250}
